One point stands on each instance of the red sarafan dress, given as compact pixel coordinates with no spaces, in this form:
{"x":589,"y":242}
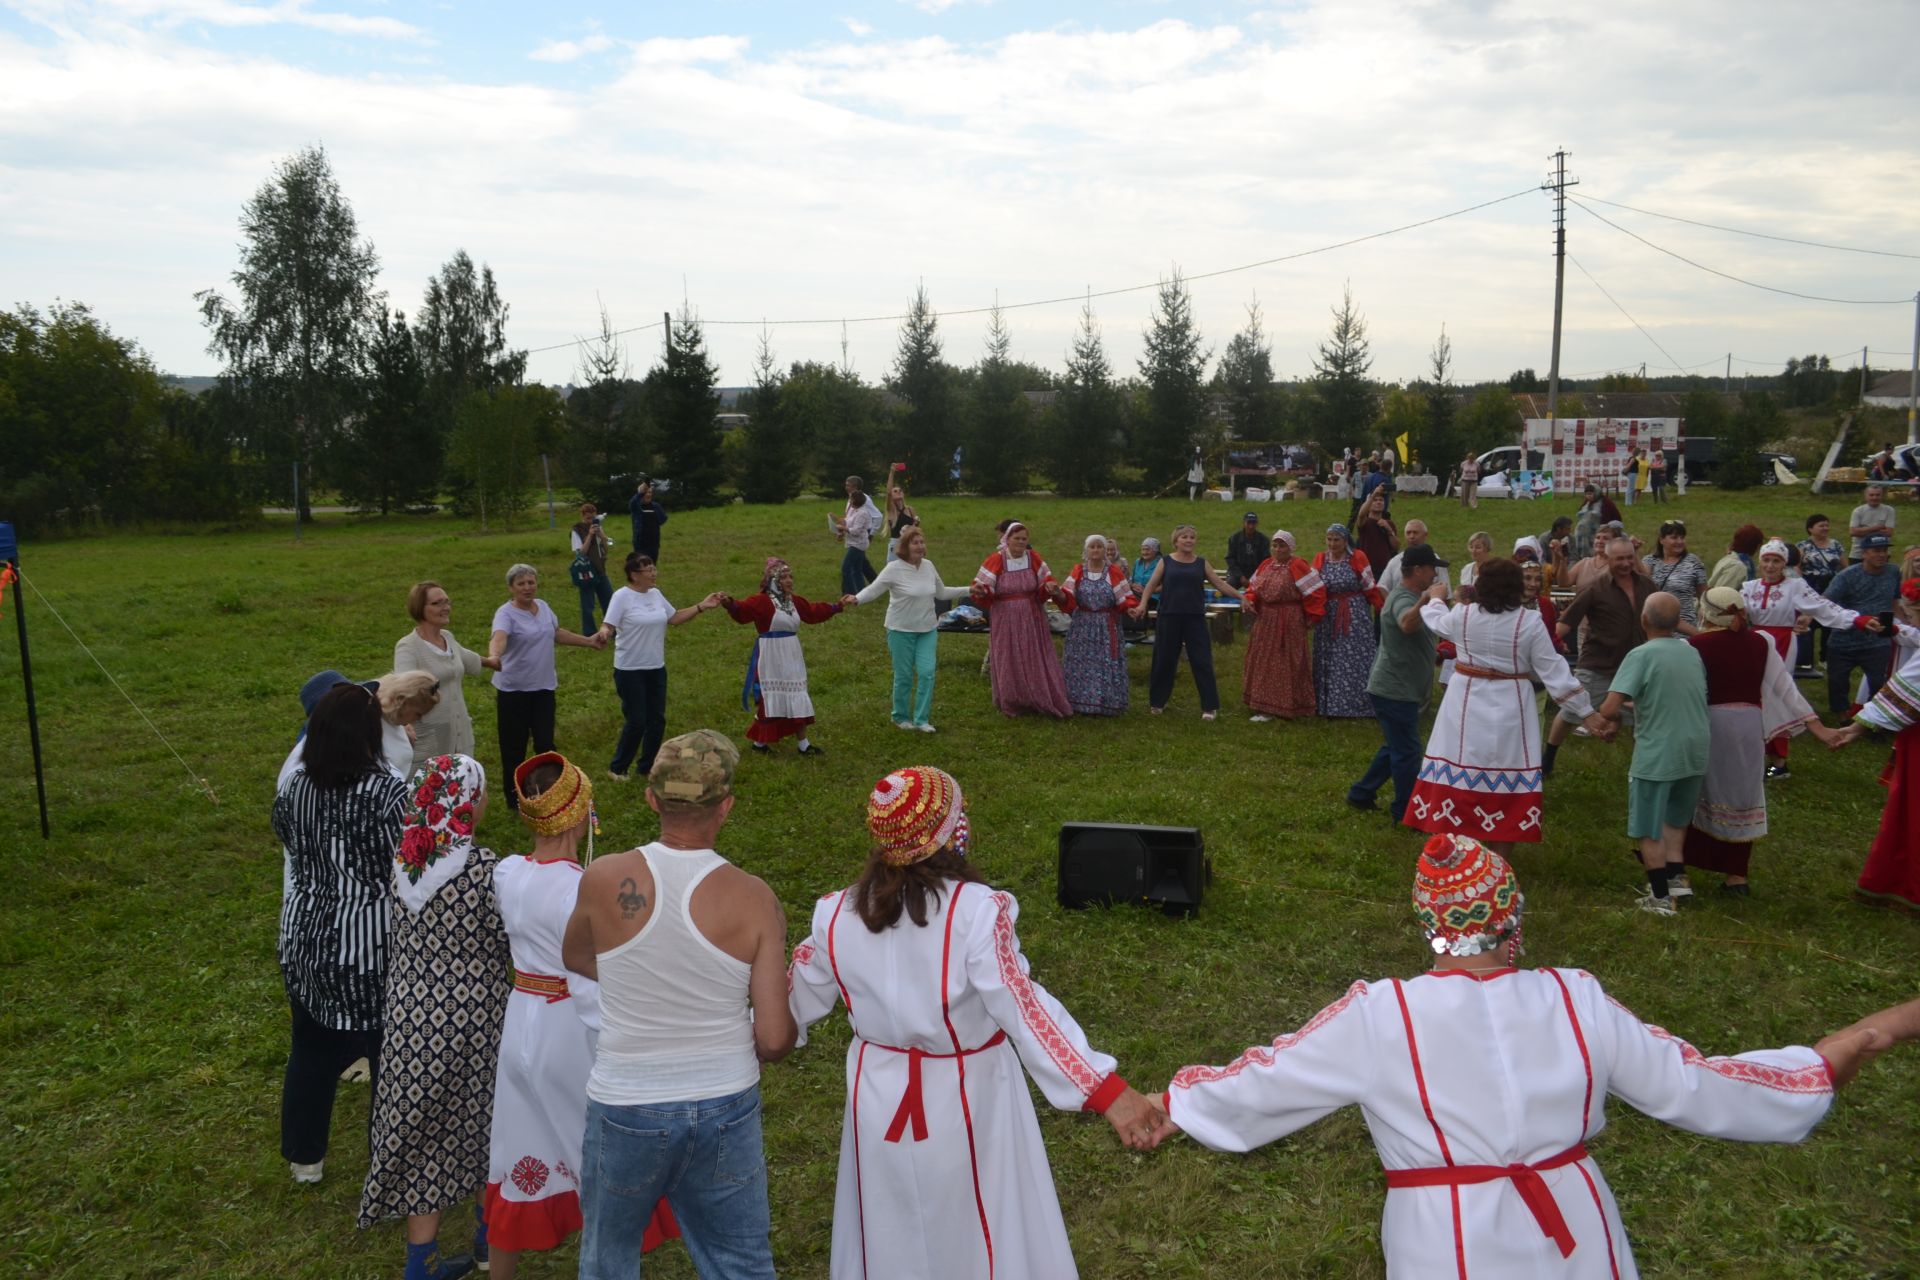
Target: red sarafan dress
{"x":1285,"y":599}
{"x":1026,"y":670}
{"x":1751,"y":700}
{"x":1892,"y":874}
{"x":776,"y":687}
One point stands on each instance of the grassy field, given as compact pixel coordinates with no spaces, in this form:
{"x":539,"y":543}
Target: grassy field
{"x":143,"y":1029}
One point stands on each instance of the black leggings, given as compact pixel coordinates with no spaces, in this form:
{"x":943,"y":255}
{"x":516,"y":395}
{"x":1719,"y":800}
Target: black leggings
{"x":520,"y":715}
{"x":314,"y":1063}
{"x":1170,"y":631}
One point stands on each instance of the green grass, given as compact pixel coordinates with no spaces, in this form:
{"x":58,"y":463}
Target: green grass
{"x":143,"y":1027}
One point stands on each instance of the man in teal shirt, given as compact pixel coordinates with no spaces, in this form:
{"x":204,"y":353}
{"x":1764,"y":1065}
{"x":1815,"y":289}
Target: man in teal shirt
{"x":1667,"y":683}
{"x":1401,"y":679}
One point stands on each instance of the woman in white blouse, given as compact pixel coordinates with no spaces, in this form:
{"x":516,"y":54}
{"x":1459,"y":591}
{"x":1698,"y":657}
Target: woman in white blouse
{"x":912,"y":585}
{"x":636,"y":621}
{"x":447,"y":729}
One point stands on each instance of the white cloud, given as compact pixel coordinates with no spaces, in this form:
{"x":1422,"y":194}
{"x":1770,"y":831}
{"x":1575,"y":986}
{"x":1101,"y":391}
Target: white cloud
{"x":166,"y":15}
{"x":858,"y":28}
{"x":569,"y":50}
{"x":825,"y":180}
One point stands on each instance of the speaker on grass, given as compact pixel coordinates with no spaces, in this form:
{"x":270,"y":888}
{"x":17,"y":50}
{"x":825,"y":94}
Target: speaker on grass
{"x":1108,"y":862}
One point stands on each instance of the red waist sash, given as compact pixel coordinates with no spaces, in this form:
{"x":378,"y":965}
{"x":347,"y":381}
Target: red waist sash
{"x":1526,"y":1180}
{"x":913,"y":1109}
{"x":542,"y":984}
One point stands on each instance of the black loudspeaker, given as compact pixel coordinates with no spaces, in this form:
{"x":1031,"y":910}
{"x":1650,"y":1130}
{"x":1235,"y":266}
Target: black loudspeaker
{"x":1108,"y":862}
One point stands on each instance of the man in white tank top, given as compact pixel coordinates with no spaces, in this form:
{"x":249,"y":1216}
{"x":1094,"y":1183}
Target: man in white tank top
{"x":690,"y":954}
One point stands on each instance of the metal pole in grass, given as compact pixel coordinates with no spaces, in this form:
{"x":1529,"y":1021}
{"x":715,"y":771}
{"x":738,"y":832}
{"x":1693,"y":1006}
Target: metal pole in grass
{"x":10,"y":553}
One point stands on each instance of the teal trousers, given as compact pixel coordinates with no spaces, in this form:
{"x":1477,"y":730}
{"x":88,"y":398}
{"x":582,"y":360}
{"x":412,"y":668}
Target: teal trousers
{"x":913,"y":663}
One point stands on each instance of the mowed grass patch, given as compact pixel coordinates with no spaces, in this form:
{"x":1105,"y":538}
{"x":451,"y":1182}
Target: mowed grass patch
{"x":144,"y":1027}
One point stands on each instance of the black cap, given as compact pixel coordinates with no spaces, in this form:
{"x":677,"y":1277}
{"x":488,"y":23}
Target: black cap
{"x":1421,"y":557}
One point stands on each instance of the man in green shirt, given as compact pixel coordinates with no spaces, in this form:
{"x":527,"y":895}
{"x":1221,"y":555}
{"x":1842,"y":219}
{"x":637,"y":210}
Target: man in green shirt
{"x":1668,"y":685}
{"x":1401,"y":679}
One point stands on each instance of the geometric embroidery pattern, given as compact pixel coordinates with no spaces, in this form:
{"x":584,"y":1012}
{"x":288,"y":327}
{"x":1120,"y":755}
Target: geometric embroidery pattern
{"x":1039,"y":1022}
{"x":1808,"y":1079}
{"x":1513,"y":781}
{"x":1263,"y":1055}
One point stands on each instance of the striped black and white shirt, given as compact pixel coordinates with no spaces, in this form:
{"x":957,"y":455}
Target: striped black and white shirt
{"x":333,"y":922}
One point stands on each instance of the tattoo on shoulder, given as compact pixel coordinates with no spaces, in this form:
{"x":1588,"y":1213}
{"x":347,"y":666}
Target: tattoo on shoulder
{"x":631,"y":900}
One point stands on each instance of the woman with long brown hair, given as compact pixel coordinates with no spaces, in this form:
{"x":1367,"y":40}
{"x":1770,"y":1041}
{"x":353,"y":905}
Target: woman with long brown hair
{"x":942,"y":1169}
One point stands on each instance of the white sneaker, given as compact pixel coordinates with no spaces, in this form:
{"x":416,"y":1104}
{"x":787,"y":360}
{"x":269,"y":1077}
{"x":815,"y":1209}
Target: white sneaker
{"x":926,"y":728}
{"x":1655,"y":906}
{"x":903,"y":724}
{"x":1260,"y":719}
{"x":1679,"y":886}
{"x":307,"y":1172}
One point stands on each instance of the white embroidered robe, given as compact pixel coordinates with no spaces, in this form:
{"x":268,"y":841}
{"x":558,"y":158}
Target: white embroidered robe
{"x":962,"y":1187}
{"x":1498,"y":1068}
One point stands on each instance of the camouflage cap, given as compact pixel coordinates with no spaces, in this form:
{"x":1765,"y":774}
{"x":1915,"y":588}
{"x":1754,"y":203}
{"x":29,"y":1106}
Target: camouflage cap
{"x":694,"y":770}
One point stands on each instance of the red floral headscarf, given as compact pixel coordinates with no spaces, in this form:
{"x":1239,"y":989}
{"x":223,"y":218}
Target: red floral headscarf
{"x":437,"y":833}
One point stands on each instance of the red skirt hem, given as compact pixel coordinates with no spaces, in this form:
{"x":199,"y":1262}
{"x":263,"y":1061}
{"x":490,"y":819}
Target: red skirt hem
{"x":1455,"y":811}
{"x":768,"y":731}
{"x":540,"y":1225}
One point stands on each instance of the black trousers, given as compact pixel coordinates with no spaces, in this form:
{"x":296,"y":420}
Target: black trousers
{"x":1171,"y":631}
{"x":643,"y":708}
{"x":314,"y":1063}
{"x":521,"y":715}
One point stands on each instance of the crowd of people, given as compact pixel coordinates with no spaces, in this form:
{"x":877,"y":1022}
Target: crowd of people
{"x":575,"y":1045}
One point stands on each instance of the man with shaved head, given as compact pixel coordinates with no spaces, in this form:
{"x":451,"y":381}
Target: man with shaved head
{"x":1611,"y":607}
{"x":1667,"y":683}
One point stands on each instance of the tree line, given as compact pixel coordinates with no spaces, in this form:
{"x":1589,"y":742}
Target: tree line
{"x":326,"y":385}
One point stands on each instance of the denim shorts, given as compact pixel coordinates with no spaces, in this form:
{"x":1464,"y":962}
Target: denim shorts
{"x":704,"y":1158}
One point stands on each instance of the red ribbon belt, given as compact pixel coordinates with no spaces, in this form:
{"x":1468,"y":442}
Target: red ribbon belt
{"x":542,"y":984}
{"x":913,"y":1108}
{"x":1526,"y":1180}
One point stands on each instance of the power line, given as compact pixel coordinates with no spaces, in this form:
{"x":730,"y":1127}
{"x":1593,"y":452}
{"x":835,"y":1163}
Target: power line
{"x":1672,"y":364}
{"x":1810,"y":297}
{"x":1758,"y":235}
{"x":1084,"y":295}
{"x":581,"y":342}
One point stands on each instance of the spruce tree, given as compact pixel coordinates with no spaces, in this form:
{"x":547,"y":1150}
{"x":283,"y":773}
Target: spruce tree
{"x":1173,"y":367}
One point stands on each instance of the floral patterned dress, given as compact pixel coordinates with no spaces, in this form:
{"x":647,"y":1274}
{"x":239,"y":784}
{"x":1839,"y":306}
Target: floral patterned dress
{"x":1096,"y":657}
{"x":1026,"y":671}
{"x":1343,"y":644}
{"x":449,"y":974}
{"x":1278,"y":679}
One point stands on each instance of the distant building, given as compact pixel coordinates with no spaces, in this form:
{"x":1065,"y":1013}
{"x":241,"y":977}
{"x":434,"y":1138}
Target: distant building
{"x":1889,"y":391}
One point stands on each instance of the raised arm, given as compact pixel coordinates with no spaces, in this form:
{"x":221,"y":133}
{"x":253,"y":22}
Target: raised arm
{"x":692,"y":611}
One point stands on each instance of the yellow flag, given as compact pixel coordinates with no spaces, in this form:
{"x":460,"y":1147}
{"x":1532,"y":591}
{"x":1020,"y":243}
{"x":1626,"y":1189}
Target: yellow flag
{"x":1401,"y":444}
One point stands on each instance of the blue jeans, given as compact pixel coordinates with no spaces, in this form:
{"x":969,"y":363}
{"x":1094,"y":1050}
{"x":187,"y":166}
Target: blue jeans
{"x":855,"y":571}
{"x":643,"y":709}
{"x":1399,"y":759}
{"x":599,"y":589}
{"x":704,"y":1157}
{"x":914,"y":655}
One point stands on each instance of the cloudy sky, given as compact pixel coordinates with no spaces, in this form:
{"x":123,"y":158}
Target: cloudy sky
{"x":797,"y":162}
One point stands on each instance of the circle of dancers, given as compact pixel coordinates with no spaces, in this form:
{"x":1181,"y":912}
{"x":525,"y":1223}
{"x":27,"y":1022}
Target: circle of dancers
{"x":575,"y":1044}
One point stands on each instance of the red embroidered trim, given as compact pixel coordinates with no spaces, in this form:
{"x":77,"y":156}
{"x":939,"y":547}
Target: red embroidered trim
{"x":960,"y":1070}
{"x":802,"y":956}
{"x":1593,"y":1188}
{"x":1586,"y":1059}
{"x":1045,"y":1030}
{"x":1263,"y":1055}
{"x":1810,"y":1079}
{"x":1420,"y":1079}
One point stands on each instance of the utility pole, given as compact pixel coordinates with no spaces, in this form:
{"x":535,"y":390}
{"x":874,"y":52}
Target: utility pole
{"x":1727,"y":384}
{"x":1863,"y":375}
{"x":1913,"y":375}
{"x":666,"y":322}
{"x":1558,"y":184}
